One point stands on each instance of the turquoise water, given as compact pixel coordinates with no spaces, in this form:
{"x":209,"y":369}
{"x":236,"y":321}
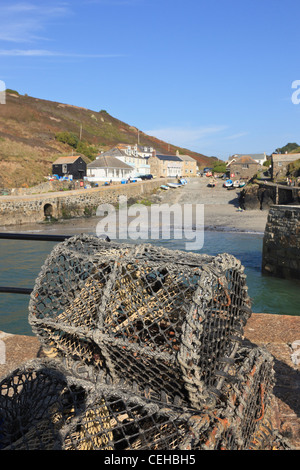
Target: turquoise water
{"x":21,"y":262}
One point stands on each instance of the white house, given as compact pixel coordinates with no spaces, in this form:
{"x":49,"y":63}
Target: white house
{"x":144,"y":151}
{"x":124,"y":153}
{"x":136,"y":150}
{"x":108,"y":168}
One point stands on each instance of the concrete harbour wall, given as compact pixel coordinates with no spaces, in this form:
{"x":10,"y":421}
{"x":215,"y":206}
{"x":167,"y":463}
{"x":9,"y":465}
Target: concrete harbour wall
{"x":281,"y":245}
{"x":17,"y":210}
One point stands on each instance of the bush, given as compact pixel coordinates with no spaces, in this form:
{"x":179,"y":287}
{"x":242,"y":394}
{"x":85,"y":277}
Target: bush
{"x":88,"y":150}
{"x":67,"y":138}
{"x":219,"y":167}
{"x":71,"y":139}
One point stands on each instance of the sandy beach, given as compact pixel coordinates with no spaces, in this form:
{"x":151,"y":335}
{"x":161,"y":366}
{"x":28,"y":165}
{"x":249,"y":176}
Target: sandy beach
{"x":220,"y":211}
{"x":220,"y":205}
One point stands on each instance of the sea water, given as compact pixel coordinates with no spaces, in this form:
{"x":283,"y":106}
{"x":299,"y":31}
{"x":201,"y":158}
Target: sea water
{"x":21,"y":262}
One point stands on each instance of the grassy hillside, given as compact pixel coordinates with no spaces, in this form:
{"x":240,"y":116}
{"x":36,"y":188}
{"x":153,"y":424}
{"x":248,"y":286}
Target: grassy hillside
{"x":28,"y":143}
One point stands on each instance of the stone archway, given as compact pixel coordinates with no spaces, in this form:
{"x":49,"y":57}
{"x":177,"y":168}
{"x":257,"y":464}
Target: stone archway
{"x":48,"y":210}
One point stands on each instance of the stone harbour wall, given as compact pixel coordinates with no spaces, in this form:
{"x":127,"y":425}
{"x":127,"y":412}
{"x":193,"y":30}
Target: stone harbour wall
{"x":262,"y":196}
{"x":17,"y":210}
{"x":281,"y":244}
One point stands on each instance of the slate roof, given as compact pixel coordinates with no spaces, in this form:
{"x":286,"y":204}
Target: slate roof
{"x":108,"y":161}
{"x":172,"y":158}
{"x":255,"y":156}
{"x":285,"y":156}
{"x":186,"y":158}
{"x":114,"y":152}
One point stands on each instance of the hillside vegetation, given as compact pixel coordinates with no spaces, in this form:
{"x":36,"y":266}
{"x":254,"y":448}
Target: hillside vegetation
{"x":32,"y":137}
{"x":289,"y":148}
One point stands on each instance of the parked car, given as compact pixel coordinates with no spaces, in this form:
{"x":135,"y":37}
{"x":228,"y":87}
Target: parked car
{"x":146,"y":177}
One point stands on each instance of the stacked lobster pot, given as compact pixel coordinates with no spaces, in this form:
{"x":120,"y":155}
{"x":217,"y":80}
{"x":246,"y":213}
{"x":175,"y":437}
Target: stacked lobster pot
{"x":142,"y":349}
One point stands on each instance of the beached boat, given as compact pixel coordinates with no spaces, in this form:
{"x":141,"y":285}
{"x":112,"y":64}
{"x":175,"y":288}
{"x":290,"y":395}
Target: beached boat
{"x":228,"y":184}
{"x":236,"y":184}
{"x":164,"y":186}
{"x":242,"y":184}
{"x":174,"y":185}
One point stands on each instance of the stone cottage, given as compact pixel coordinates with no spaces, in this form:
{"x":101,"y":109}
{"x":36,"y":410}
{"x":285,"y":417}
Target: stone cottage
{"x":244,"y":167}
{"x":165,"y":165}
{"x":189,"y":165}
{"x":280,"y":162}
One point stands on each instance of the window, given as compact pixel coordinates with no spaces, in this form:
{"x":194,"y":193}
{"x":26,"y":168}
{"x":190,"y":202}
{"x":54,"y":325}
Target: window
{"x":245,"y":166}
{"x":64,"y":168}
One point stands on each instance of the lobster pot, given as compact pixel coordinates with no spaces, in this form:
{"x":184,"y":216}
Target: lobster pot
{"x":246,"y":395}
{"x":37,"y":401}
{"x":43,"y":407}
{"x":167,"y":319}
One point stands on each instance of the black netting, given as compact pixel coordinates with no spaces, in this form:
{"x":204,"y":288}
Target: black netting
{"x":143,"y":350}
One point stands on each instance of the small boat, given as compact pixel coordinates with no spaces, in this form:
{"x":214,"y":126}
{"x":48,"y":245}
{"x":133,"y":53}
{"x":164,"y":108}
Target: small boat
{"x":236,"y":184}
{"x":174,"y":185}
{"x":228,"y":184}
{"x":164,"y":186}
{"x":242,"y":184}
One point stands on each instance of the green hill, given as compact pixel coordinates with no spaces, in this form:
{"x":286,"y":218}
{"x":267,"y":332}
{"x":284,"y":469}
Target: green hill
{"x":30,"y":131}
{"x":289,"y":148}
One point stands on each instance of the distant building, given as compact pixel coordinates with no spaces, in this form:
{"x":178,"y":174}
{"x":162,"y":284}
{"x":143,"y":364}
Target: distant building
{"x":189,"y":166}
{"x":165,"y":165}
{"x":243,"y":167}
{"x":108,"y":168}
{"x":258,"y":157}
{"x":128,"y":155}
{"x":74,"y":167}
{"x":280,"y":162}
{"x":144,"y":151}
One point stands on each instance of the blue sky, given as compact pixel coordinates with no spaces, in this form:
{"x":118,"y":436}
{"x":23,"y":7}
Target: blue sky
{"x":214,"y":76}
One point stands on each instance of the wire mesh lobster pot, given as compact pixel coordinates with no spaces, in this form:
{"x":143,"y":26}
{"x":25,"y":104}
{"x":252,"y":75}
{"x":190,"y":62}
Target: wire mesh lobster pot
{"x":168,"y":320}
{"x":44,"y":407}
{"x":246,"y":395}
